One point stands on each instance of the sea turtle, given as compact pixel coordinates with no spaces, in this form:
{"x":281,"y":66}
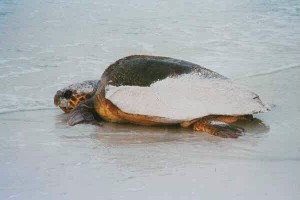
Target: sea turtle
{"x":154,"y":90}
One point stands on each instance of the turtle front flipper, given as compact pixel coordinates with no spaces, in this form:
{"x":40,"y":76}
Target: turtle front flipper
{"x":84,"y":112}
{"x":223,"y":130}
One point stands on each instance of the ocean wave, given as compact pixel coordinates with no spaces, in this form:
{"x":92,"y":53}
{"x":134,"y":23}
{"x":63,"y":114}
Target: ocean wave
{"x":6,"y":111}
{"x":271,"y":71}
{"x":16,"y":103}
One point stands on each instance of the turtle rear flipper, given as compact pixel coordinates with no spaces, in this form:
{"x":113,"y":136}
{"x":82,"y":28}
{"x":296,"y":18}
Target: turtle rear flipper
{"x":224,"y":130}
{"x":84,"y":112}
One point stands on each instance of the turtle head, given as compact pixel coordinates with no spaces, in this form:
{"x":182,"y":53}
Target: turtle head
{"x":69,"y":97}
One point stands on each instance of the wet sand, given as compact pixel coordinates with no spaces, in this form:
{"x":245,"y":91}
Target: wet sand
{"x":43,"y":158}
{"x":47,"y":45}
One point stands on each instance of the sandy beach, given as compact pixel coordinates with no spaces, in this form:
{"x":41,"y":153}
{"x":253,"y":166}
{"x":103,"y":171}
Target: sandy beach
{"x":43,"y":48}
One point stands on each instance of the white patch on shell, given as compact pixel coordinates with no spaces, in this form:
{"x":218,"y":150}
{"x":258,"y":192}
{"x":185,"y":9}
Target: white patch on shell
{"x":185,"y":98}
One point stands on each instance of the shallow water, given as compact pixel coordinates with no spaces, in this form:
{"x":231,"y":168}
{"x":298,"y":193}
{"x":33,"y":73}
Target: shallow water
{"x":46,"y":45}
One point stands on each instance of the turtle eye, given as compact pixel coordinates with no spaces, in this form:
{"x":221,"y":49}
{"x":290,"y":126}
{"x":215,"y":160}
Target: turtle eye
{"x":67,"y":94}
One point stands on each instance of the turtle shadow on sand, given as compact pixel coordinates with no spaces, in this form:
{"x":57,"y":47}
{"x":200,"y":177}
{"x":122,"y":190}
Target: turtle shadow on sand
{"x":137,"y":134}
{"x":115,"y":133}
{"x":254,"y":126}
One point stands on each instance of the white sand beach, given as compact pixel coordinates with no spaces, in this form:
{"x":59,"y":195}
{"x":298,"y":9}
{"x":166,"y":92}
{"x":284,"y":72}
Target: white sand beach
{"x":47,"y":45}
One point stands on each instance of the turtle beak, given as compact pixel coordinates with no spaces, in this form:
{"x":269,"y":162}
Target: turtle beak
{"x":57,"y":98}
{"x":60,"y":101}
